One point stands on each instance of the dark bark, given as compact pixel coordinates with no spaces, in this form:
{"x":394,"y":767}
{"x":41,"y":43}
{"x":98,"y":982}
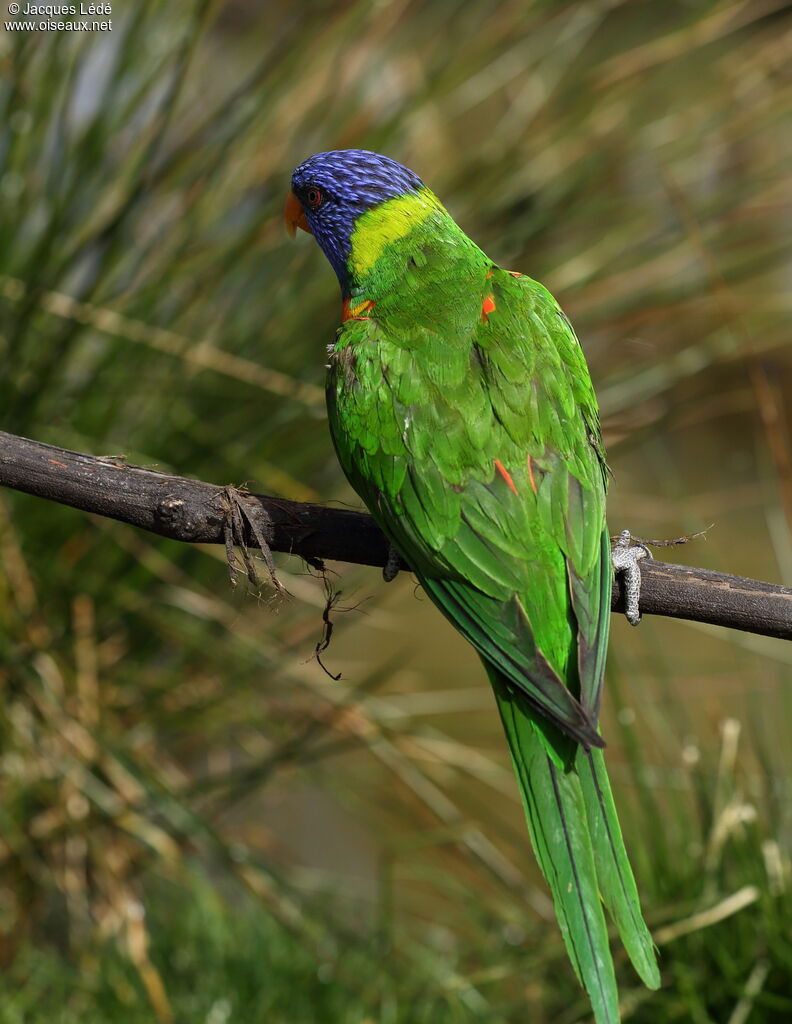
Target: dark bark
{"x":194,"y":511}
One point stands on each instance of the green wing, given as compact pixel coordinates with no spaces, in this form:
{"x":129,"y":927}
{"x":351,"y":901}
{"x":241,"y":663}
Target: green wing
{"x":480,"y":457}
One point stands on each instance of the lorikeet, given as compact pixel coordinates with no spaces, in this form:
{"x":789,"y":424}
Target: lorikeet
{"x":463,"y":414}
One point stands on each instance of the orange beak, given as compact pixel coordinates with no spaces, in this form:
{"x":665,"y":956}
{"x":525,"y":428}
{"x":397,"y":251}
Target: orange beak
{"x":294,"y":215}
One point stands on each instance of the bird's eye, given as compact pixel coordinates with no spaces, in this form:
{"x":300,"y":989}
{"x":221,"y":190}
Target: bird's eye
{"x":314,"y":197}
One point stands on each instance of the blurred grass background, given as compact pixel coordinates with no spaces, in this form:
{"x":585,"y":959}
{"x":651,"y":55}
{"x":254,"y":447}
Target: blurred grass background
{"x":196,"y":823}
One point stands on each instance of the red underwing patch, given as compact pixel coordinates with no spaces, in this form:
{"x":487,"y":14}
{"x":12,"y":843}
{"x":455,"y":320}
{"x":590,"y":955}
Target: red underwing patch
{"x":530,"y":474}
{"x":505,"y":474}
{"x":350,"y":312}
{"x":487,"y":307}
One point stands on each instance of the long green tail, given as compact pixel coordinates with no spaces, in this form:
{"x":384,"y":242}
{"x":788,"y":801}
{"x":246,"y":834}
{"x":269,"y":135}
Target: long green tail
{"x":578,"y":843}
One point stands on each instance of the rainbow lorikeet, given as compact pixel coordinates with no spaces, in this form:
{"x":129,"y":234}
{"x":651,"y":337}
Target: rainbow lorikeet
{"x":463,"y":414}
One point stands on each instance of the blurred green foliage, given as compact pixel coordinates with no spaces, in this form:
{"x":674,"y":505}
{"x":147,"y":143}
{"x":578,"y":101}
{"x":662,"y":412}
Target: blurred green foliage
{"x":197,"y":824}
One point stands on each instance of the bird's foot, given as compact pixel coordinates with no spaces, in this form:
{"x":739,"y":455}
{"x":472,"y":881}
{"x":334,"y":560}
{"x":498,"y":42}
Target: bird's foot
{"x":625,"y":555}
{"x":241,"y":520}
{"x":392,"y":565}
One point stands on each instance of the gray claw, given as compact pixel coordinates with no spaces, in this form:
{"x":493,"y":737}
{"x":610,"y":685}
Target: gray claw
{"x":392,"y":564}
{"x":625,"y":555}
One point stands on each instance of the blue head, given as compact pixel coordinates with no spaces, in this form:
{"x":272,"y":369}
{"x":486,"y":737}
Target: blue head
{"x":329,"y":191}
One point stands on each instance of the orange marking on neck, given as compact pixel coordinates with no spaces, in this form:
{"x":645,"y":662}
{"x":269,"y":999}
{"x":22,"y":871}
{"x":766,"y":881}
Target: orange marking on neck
{"x":490,"y":272}
{"x":505,"y":474}
{"x":487,"y":307}
{"x":530,"y":474}
{"x":350,"y":312}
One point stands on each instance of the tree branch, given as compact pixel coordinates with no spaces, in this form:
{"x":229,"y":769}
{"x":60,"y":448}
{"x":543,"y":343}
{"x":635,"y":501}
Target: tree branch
{"x":197,"y":512}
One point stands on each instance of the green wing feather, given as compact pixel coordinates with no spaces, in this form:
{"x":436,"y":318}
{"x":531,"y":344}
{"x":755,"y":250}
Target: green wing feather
{"x":473,"y":437}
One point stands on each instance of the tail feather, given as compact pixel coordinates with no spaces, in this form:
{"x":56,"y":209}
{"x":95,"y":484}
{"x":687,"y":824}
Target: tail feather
{"x":616,"y":880}
{"x":558,"y":826}
{"x":576,"y":837}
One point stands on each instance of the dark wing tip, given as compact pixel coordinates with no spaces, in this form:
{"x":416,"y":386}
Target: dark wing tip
{"x":580,"y":728}
{"x":592,"y":738}
{"x":583,"y":731}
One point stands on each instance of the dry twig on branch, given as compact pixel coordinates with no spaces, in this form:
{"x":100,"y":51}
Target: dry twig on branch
{"x":198,"y":512}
